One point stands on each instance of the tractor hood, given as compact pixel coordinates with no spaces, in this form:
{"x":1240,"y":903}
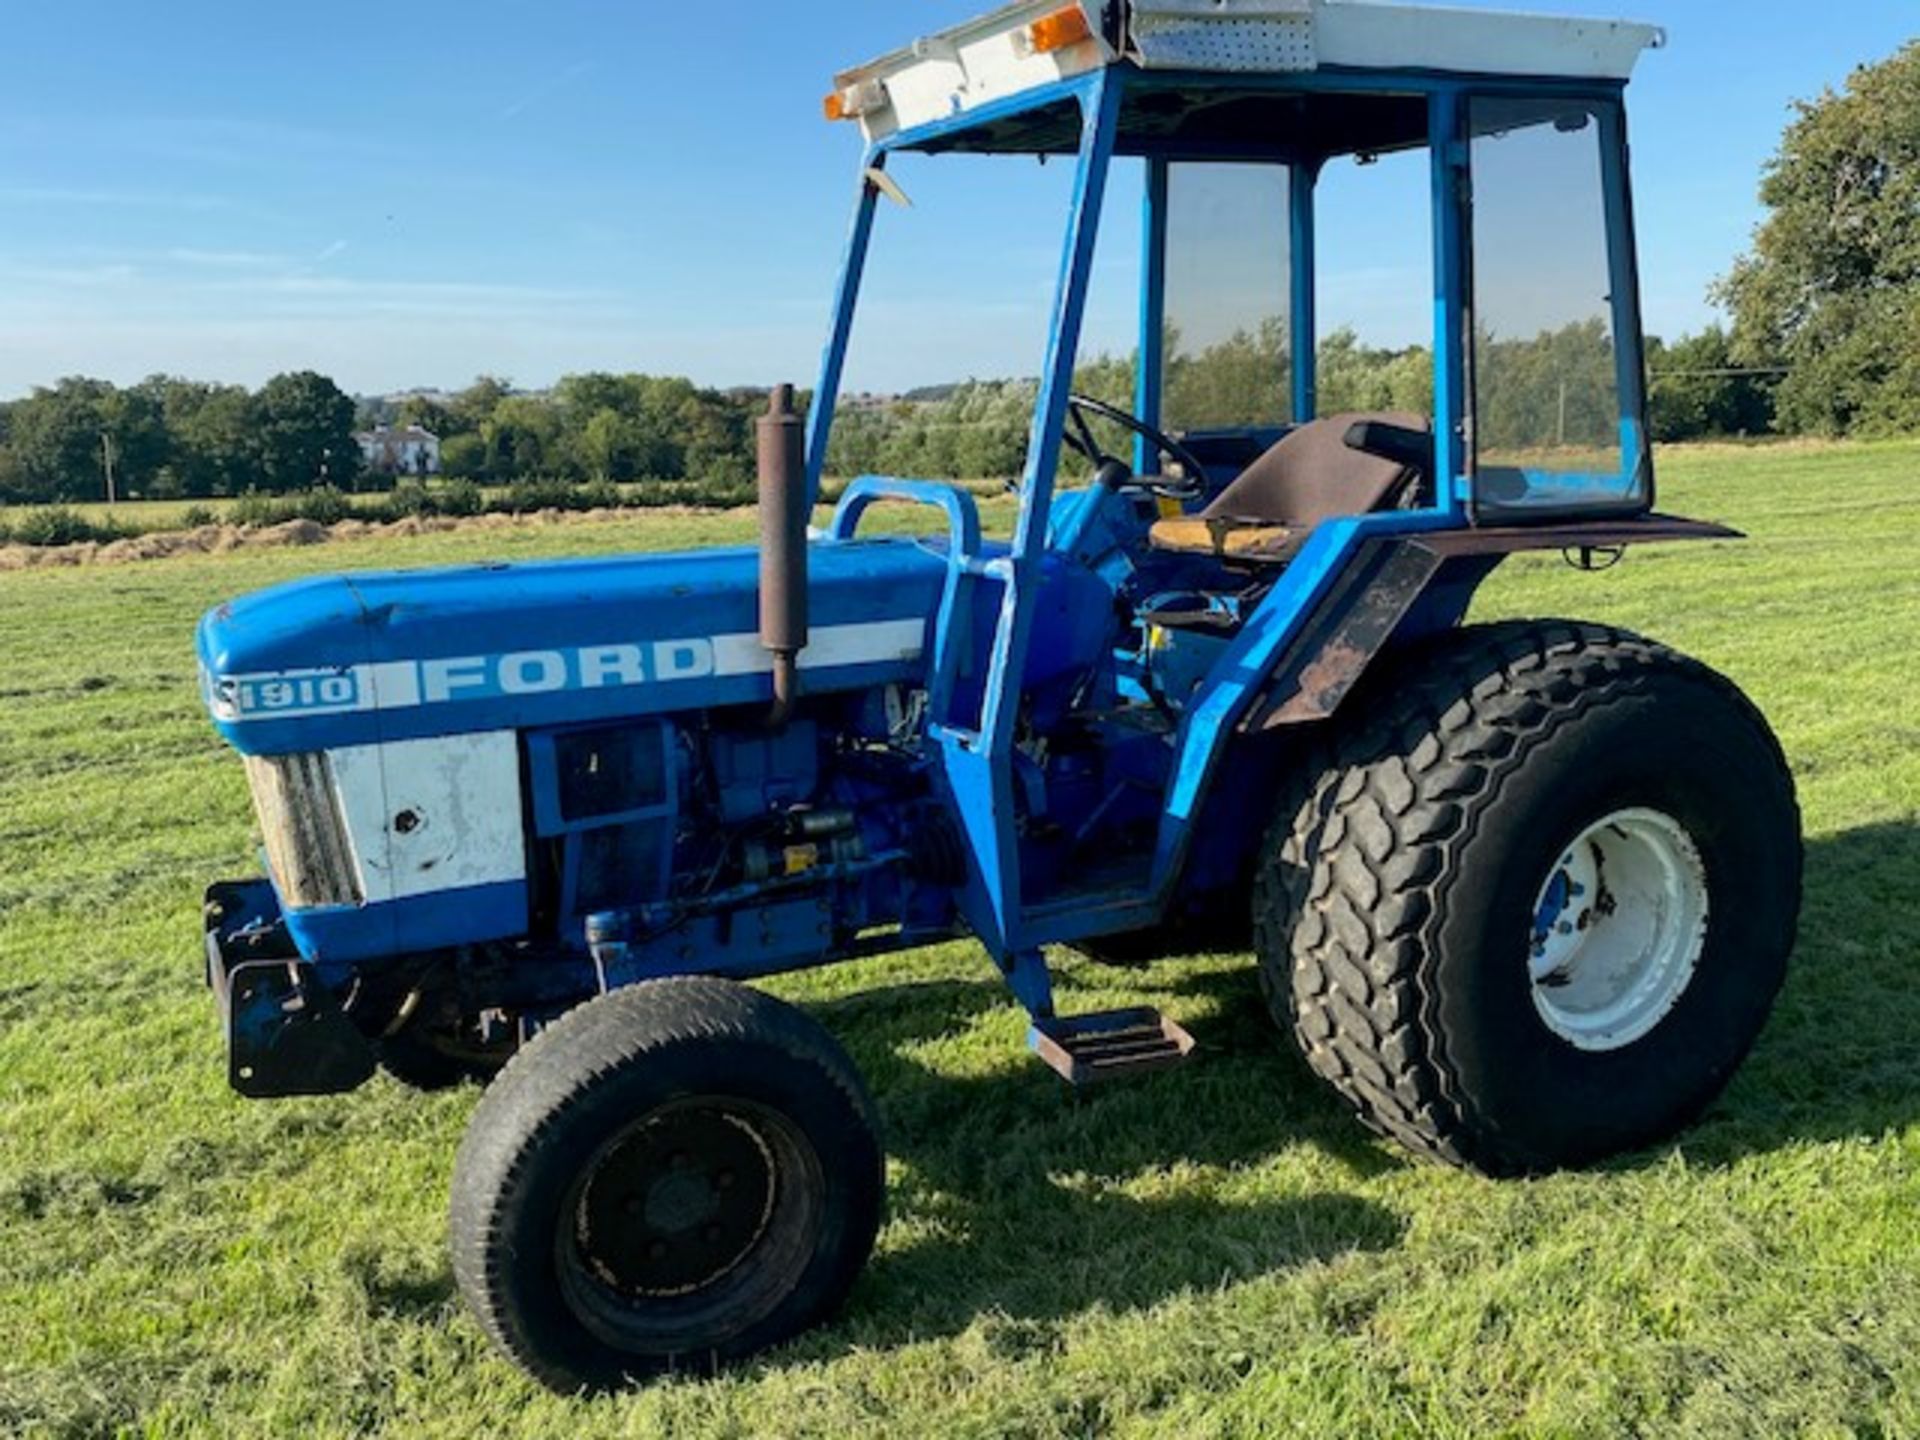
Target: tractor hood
{"x":379,"y":657}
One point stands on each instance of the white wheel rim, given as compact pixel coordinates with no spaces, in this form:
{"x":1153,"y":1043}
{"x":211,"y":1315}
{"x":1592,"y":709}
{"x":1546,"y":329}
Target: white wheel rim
{"x":1618,"y":930}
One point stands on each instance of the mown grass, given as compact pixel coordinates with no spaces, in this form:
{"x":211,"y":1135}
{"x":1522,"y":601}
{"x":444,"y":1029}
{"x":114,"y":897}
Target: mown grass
{"x":1215,"y":1251}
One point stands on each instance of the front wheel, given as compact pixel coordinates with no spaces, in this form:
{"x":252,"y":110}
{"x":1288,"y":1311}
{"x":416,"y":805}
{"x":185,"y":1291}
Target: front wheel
{"x":1540,"y":904}
{"x":670,"y":1177}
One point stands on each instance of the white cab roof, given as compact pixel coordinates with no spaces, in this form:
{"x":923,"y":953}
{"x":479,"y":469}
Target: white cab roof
{"x":992,"y":58}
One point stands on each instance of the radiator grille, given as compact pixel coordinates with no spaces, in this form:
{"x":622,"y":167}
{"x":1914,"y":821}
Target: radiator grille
{"x":306,"y":835}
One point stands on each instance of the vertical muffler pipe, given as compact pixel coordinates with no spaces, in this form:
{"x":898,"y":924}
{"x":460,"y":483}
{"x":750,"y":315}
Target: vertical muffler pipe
{"x":783,"y":547}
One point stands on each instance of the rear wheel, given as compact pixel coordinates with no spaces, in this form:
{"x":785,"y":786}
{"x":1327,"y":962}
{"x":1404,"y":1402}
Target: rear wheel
{"x":670,"y":1177}
{"x":1539,"y":905}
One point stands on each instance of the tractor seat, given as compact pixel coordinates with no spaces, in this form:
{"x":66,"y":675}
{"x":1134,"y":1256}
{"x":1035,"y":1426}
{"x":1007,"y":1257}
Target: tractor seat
{"x":1341,"y":465}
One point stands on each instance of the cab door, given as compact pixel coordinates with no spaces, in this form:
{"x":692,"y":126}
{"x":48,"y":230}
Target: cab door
{"x":1558,"y":388}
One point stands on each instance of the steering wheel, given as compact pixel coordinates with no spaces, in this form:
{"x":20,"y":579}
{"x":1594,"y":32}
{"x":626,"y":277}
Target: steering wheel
{"x":1114,"y":471}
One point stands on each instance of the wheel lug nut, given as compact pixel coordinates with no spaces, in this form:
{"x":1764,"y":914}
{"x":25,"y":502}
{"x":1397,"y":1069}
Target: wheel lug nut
{"x":656,"y":1250}
{"x":724,"y":1180}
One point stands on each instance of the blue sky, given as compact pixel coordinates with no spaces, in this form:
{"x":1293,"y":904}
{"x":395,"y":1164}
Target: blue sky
{"x":408,"y":194}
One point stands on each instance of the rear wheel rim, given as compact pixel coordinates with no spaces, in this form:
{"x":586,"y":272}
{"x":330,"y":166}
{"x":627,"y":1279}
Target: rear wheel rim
{"x":1619,"y":927}
{"x":690,"y":1225}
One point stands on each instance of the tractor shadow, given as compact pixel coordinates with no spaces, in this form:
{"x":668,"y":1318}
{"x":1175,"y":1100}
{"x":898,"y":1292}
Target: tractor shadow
{"x":1018,"y":1202}
{"x":1840,"y":1059}
{"x":1022,"y":1203}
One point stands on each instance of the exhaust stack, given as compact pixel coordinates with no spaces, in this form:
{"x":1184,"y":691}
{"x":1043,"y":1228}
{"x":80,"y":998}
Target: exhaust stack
{"x":783,"y":547}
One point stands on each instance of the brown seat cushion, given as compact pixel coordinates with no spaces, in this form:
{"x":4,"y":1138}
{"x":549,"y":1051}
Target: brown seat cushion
{"x":1311,"y":475}
{"x":1229,"y":539}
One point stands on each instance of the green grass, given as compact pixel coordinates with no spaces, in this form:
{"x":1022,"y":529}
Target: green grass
{"x":1215,"y":1251}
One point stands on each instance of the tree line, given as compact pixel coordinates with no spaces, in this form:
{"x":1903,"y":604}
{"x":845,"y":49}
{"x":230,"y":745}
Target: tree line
{"x":618,"y":428}
{"x":168,"y":438}
{"x":1553,"y":391}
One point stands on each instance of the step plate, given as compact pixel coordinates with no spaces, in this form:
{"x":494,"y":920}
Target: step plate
{"x":1090,"y":1049}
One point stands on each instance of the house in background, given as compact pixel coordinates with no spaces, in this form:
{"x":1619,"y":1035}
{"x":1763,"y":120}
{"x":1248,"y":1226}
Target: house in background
{"x":400,"y":450}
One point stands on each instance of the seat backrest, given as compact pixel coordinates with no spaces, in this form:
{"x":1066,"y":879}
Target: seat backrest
{"x":1312,"y":475}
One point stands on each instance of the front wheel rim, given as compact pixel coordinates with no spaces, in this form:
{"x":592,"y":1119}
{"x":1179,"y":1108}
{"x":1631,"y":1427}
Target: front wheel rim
{"x":670,"y":1244}
{"x":1619,"y":927}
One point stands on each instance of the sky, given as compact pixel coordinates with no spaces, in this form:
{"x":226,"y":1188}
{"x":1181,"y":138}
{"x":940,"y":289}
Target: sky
{"x":407,"y":195}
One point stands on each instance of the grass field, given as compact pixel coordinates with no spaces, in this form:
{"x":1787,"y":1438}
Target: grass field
{"x":1215,"y":1251}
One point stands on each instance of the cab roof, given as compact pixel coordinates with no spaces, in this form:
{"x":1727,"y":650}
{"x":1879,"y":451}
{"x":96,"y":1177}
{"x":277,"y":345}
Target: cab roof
{"x":1031,"y":44}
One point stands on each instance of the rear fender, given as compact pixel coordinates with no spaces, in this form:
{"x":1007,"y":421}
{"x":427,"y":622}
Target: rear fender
{"x":1400,"y":588}
{"x":1395,"y":590}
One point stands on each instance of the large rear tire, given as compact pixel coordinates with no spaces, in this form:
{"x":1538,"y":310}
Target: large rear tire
{"x":1539,"y":905}
{"x":671,"y":1177}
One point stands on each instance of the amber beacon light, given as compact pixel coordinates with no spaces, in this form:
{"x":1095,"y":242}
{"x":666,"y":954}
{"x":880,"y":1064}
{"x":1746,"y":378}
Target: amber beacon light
{"x":1065,"y":27}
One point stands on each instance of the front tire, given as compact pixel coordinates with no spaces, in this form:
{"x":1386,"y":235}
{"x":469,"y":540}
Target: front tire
{"x":1540,"y":904}
{"x":671,"y":1177}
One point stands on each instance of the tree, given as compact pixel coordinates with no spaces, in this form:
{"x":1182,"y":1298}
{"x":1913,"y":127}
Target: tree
{"x":718,"y":441}
{"x":473,"y":407}
{"x":218,"y":443}
{"x":1831,"y":288}
{"x":1246,"y":379}
{"x":1350,"y":376}
{"x":56,"y":441}
{"x":429,"y":414}
{"x":523,"y":438}
{"x":612,"y":446}
{"x":13,"y":479}
{"x":209,"y":437}
{"x":1699,"y":389}
{"x":306,"y":433}
{"x":463,"y":457}
{"x":1555,"y":392}
{"x":133,"y":423}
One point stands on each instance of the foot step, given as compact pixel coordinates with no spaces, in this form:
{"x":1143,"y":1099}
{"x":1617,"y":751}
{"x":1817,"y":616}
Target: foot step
{"x":1087,"y":1049}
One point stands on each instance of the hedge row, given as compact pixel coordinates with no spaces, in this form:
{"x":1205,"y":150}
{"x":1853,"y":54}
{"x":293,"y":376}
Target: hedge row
{"x":59,"y":525}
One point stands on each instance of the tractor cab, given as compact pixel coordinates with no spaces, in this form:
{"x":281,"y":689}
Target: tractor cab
{"x":1235,"y":113}
{"x":1223,"y":492}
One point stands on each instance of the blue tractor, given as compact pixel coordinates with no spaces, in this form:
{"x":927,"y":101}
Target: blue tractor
{"x":1523,"y":893}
